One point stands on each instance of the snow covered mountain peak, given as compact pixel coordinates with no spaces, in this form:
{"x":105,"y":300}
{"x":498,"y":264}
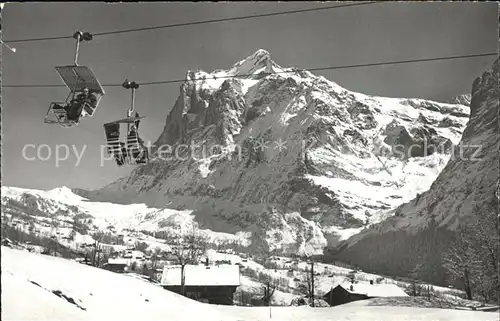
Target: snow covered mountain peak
{"x":64,"y":190}
{"x":247,"y":71}
{"x":257,"y":146}
{"x":260,"y":59}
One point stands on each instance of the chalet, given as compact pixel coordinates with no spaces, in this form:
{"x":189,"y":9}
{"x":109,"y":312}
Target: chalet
{"x":213,"y":284}
{"x":348,"y":292}
{"x":83,"y":260}
{"x":116,"y":265}
{"x":108,"y":248}
{"x":134,"y":255}
{"x":87,"y":244}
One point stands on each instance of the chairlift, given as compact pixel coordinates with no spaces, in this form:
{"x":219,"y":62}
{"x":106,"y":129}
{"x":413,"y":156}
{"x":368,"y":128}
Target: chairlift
{"x":131,"y":151}
{"x":85,"y":91}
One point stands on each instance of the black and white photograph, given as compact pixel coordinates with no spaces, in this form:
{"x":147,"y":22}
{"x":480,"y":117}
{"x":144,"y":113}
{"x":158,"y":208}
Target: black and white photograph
{"x":248,"y":161}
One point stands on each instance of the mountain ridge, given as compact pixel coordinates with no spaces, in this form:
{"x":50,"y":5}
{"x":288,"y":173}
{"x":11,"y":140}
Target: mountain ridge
{"x":466,"y":185}
{"x":337,"y":171}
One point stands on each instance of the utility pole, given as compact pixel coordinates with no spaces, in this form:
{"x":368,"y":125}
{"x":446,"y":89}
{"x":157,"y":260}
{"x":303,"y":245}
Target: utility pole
{"x":270,"y":315}
{"x":312,"y":281}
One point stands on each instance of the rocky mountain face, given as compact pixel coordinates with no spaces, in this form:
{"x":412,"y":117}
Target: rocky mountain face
{"x":421,"y":229}
{"x":463,"y":99}
{"x":289,"y":157}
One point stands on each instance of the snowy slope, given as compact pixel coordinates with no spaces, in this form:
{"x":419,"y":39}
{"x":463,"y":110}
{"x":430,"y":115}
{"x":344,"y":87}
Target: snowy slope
{"x":38,"y":287}
{"x":63,"y":205}
{"x":98,"y":294}
{"x":466,"y":185}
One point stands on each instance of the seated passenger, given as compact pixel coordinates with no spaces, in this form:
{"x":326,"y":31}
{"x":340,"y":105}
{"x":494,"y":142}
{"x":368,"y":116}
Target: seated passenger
{"x":137,"y":121}
{"x":74,"y":109}
{"x":141,"y":151}
{"x":121,"y":156}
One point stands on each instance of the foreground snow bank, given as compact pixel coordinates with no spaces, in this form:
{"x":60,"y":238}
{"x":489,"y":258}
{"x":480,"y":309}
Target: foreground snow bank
{"x":85,"y":293}
{"x":39,"y":287}
{"x":358,"y":312}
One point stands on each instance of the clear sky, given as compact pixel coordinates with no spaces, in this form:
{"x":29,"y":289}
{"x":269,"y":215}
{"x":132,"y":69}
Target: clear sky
{"x":365,"y":34}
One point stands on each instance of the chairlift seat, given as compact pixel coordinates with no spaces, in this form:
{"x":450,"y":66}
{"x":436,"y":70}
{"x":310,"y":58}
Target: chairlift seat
{"x":133,"y":141}
{"x":89,"y":109}
{"x":75,"y":78}
{"x":58,"y":115}
{"x":113,"y":138}
{"x":137,"y":152}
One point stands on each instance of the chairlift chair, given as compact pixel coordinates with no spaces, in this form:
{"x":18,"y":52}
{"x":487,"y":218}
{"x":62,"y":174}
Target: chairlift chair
{"x":130,"y":151}
{"x":76,"y":78}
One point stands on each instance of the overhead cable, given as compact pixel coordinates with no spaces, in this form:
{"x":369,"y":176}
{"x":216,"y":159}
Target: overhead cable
{"x":183,"y":24}
{"x":388,"y":63}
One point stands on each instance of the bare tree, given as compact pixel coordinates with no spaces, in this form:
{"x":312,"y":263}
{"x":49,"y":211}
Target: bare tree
{"x":308,"y":283}
{"x":72,"y":235}
{"x":265,"y":253}
{"x":145,"y":270}
{"x":54,"y":224}
{"x":187,"y":249}
{"x":32,"y":227}
{"x":473,"y":256}
{"x":485,"y":238}
{"x":97,"y":253}
{"x":460,"y":261}
{"x":269,"y":288}
{"x":150,"y":270}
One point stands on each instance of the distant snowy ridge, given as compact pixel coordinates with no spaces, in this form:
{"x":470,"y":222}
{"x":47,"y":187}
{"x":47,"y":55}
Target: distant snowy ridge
{"x":62,"y":204}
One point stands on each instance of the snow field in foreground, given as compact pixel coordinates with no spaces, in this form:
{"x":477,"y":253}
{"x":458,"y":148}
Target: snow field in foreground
{"x":109,"y":296}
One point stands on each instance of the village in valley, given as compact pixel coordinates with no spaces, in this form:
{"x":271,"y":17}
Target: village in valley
{"x":224,"y":273}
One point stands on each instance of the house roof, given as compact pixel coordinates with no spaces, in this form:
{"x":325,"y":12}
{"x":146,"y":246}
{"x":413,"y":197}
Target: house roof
{"x":118,"y":261}
{"x":200,"y":275}
{"x":374,"y":290}
{"x":135,"y":253}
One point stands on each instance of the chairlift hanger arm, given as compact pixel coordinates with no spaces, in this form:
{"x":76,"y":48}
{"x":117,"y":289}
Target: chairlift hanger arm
{"x":80,"y":36}
{"x":131,"y":85}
